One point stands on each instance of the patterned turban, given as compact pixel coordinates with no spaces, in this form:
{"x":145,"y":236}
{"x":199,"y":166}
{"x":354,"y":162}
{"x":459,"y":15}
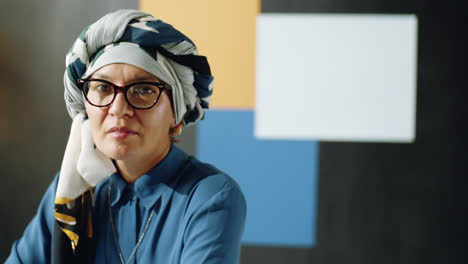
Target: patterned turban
{"x":182,"y":68}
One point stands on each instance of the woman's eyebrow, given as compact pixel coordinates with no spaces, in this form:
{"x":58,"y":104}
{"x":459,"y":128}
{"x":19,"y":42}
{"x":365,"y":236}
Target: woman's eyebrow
{"x":145,"y":78}
{"x":137,"y":79}
{"x":100,"y":76}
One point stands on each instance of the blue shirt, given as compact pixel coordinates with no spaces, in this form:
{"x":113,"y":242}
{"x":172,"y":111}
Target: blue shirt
{"x":199,"y":215}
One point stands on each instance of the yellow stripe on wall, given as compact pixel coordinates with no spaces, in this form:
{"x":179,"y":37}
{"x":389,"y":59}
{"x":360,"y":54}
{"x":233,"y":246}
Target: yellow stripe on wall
{"x":224,"y":31}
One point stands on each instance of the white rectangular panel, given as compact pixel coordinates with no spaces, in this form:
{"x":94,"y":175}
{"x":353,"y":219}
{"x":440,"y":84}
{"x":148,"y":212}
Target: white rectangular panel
{"x":336,"y":77}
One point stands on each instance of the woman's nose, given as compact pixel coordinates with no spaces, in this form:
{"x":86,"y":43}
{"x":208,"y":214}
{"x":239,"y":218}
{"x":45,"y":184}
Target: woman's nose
{"x":120,"y":106}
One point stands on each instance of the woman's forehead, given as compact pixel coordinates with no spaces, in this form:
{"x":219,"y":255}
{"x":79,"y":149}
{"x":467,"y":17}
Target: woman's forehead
{"x":123,"y":71}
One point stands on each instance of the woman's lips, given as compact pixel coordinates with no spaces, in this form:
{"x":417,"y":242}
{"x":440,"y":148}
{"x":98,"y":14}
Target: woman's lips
{"x":121,"y":132}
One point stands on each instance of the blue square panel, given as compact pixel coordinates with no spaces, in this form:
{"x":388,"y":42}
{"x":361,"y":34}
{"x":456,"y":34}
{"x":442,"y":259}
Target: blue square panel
{"x":278,"y":177}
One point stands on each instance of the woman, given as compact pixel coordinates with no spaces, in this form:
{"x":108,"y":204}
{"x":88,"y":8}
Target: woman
{"x":125,"y":193}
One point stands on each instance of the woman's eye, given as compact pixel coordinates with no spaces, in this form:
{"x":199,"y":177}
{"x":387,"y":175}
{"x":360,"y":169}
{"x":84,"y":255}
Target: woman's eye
{"x":144,"y":90}
{"x":102,"y":88}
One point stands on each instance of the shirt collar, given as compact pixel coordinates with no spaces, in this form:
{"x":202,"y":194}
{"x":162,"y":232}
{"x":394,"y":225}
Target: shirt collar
{"x":149,"y":187}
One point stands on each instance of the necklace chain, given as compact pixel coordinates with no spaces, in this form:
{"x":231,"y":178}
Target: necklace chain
{"x":116,"y":240}
{"x":115,"y":233}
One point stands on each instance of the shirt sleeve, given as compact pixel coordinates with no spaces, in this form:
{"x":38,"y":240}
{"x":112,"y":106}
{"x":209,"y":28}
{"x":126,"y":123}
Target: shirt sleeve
{"x":216,"y":217}
{"x":35,"y":244}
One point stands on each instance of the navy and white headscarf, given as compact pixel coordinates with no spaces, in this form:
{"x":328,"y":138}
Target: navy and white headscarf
{"x":189,"y":73}
{"x":125,"y":36}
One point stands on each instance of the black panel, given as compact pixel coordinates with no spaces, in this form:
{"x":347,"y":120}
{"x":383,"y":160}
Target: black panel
{"x":276,"y":255}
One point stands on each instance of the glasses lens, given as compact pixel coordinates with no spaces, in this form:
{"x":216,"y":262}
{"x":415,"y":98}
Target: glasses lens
{"x":99,"y":93}
{"x":143,"y":95}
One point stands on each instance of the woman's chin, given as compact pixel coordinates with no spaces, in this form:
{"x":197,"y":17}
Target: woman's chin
{"x":118,"y":152}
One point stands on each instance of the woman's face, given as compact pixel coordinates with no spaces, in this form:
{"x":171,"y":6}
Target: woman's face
{"x":124,"y":133}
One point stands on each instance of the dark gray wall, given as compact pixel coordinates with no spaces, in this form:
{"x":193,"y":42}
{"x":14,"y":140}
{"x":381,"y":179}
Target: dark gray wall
{"x":396,"y":203}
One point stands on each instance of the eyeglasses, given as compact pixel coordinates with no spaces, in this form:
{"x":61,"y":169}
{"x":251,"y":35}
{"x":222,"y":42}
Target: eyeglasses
{"x":139,"y":95}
